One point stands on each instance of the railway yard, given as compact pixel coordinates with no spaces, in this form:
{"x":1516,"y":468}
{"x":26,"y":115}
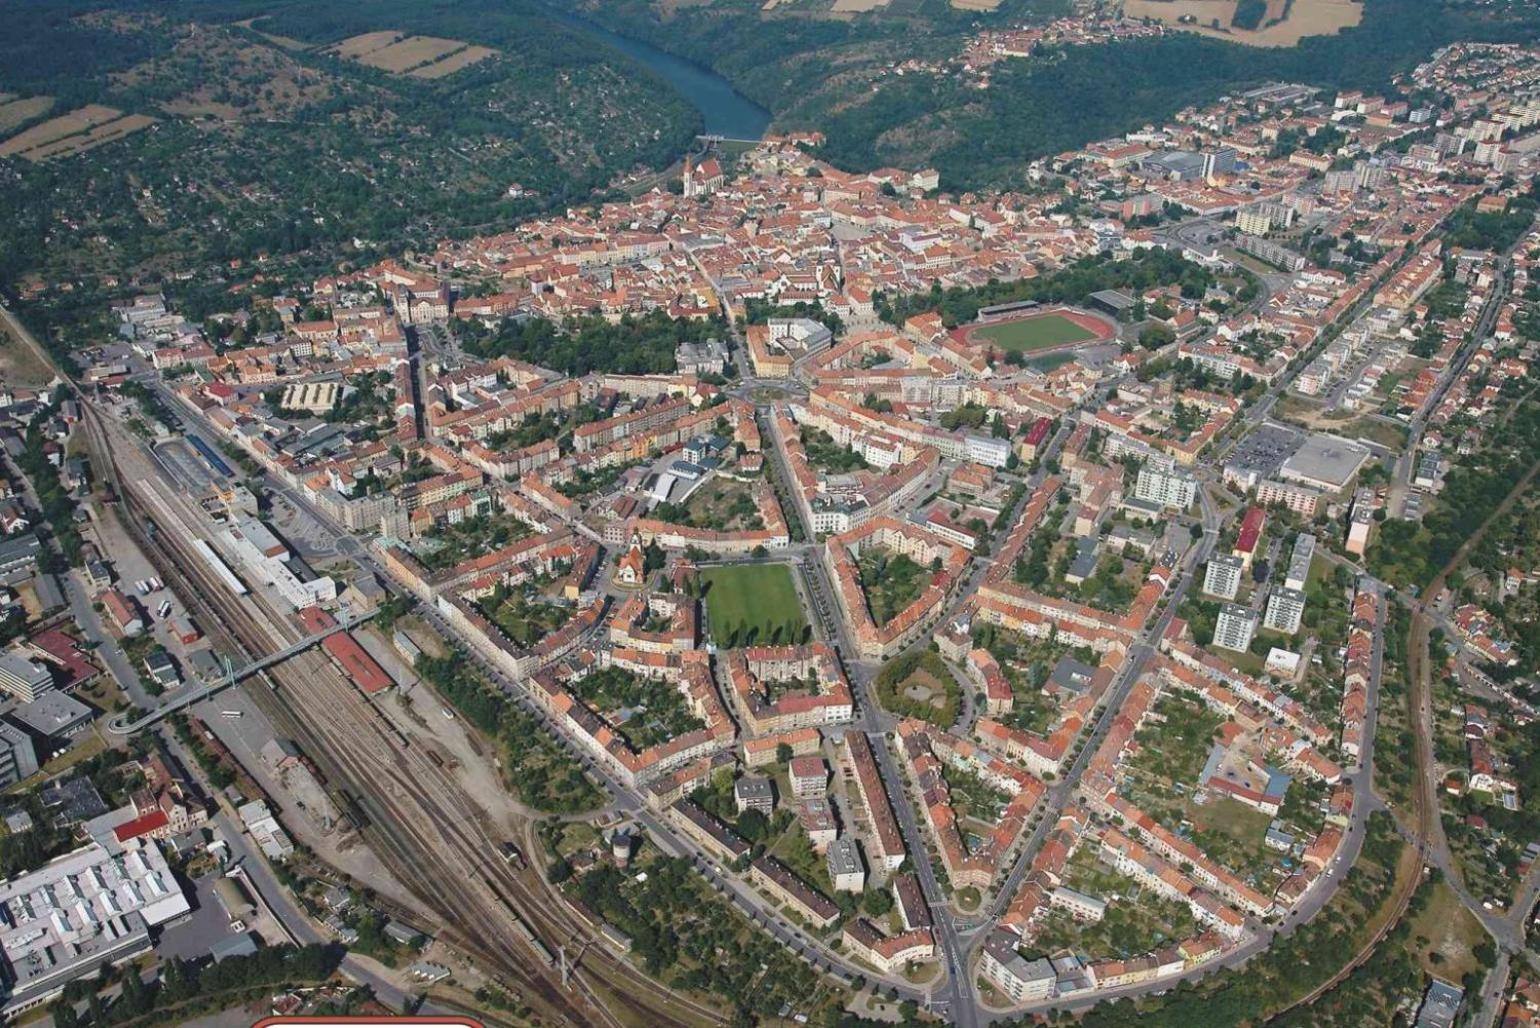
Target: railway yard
{"x":419,"y":821}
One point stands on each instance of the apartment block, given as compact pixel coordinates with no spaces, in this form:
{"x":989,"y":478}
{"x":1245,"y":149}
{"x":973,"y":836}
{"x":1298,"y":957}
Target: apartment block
{"x":1222,"y":578}
{"x":1235,"y":628}
{"x":1285,"y":609}
{"x":1168,"y":485}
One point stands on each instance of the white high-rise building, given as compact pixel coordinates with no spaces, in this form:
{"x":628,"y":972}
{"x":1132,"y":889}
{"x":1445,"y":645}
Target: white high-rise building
{"x":1235,"y":628}
{"x":1223,"y":576}
{"x":1167,"y":485}
{"x":1285,"y":608}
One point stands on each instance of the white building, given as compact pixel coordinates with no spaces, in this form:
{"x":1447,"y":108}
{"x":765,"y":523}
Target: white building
{"x":1168,"y":485}
{"x":1361,"y":522}
{"x":1299,"y":561}
{"x":86,"y":910}
{"x":23,"y":678}
{"x":1080,"y":906}
{"x":986,"y":449}
{"x":1235,"y":628}
{"x":1301,"y":499}
{"x":846,"y":872}
{"x":1021,"y":979}
{"x":1285,"y":608}
{"x":1222,"y":578}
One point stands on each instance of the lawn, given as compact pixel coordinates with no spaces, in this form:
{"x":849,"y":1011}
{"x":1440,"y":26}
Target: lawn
{"x":1137,"y":921}
{"x":972,"y":797}
{"x":1446,"y":934}
{"x":1177,"y":748}
{"x":526,"y":623}
{"x":753,"y":603}
{"x":795,"y":850}
{"x":447,"y":545}
{"x":1048,"y":362}
{"x":1232,"y":833}
{"x":1032,"y":334}
{"x":680,"y":931}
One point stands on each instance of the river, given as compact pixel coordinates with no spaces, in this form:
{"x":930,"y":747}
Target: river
{"x":726,"y":111}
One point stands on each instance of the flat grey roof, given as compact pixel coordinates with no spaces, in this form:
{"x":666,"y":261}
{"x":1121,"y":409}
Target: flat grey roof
{"x":51,"y":713}
{"x":1327,"y":459}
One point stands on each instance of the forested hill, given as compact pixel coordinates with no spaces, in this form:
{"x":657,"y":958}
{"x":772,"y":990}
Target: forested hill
{"x":836,"y":77}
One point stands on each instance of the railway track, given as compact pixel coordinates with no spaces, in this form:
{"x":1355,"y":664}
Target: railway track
{"x":1425,"y":816}
{"x":420,"y":822}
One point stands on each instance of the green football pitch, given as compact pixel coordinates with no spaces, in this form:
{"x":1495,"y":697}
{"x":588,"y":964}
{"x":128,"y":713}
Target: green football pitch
{"x":1034,"y":333}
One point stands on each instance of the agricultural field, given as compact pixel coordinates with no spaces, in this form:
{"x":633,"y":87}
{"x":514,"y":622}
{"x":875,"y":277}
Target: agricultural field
{"x":453,"y":62}
{"x":1031,"y":334}
{"x":75,"y":132}
{"x":15,"y":112}
{"x":752,"y":601}
{"x":1283,"y":24}
{"x":419,"y":56}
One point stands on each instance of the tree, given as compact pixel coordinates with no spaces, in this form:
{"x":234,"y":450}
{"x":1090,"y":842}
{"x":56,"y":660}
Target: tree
{"x":877,"y":902}
{"x":753,"y":826}
{"x":1153,"y":337}
{"x":783,"y":753}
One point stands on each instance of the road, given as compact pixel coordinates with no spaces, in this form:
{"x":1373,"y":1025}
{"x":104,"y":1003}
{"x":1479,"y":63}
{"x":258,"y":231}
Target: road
{"x":1405,"y":467}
